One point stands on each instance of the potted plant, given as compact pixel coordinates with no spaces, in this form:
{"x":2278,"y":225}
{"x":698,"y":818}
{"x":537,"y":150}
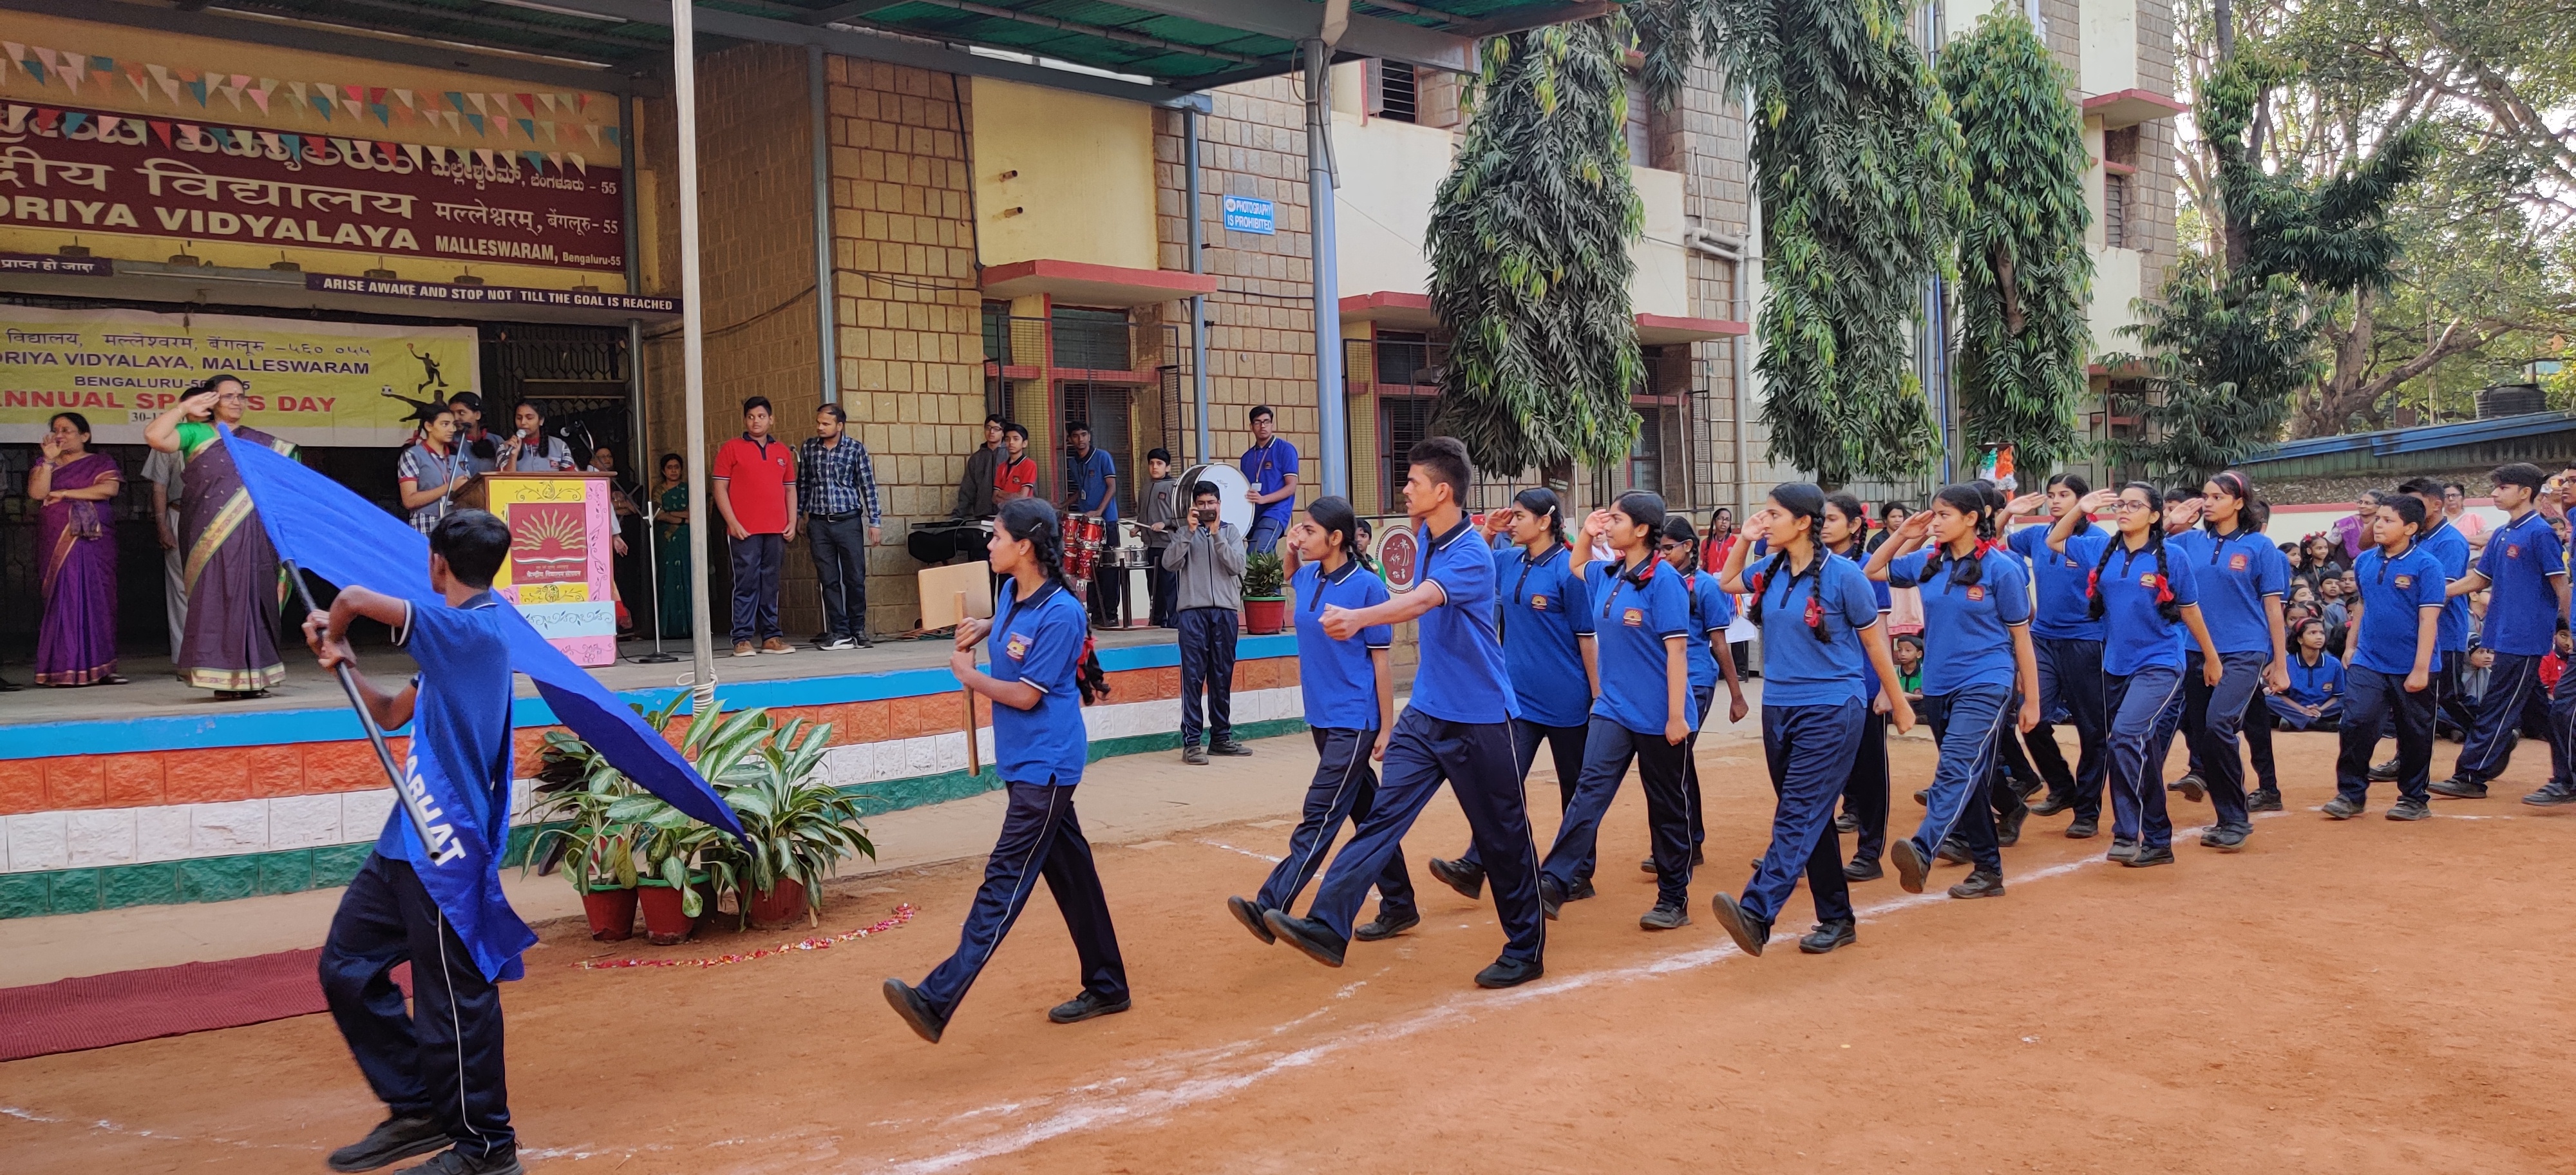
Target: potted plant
{"x":1265,"y":599}
{"x":797,"y":825}
{"x":576,"y":791}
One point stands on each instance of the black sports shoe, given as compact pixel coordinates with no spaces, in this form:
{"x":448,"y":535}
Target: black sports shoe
{"x":2122,"y":849}
{"x":2192,"y":787}
{"x":1911,"y":868}
{"x":2008,"y":827}
{"x":2340,"y":808}
{"x":1665,"y":916}
{"x":2027,"y":786}
{"x":2264,"y":800}
{"x":1923,"y":796}
{"x":393,"y":1139}
{"x":1846,"y":823}
{"x":1863,"y":869}
{"x":2084,"y":828}
{"x":1229,"y":748}
{"x":2551,"y":796}
{"x":916,"y":1011}
{"x":1468,"y":880}
{"x":1954,"y":850}
{"x":2383,"y":772}
{"x":1828,"y":936}
{"x":1509,"y":973}
{"x":1250,"y":915}
{"x":1314,"y":938}
{"x":2460,"y":787}
{"x":1086,"y":1006}
{"x":1194,"y":755}
{"x":1749,"y":932}
{"x":1582,"y":889}
{"x":456,"y":1162}
{"x":2052,"y":805}
{"x":1979,"y":884}
{"x":1549,"y":897}
{"x":2225,"y":840}
{"x":2147,"y":857}
{"x":1386,"y":925}
{"x":2410,"y":810}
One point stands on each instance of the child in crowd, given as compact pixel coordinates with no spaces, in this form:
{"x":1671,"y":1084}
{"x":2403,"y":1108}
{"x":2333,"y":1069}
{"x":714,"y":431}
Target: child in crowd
{"x":1909,"y":665}
{"x":2315,"y":699}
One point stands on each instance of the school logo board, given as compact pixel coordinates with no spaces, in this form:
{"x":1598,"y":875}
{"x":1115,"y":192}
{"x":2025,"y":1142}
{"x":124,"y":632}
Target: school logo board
{"x":558,"y":570}
{"x":548,"y":542}
{"x":313,"y":383}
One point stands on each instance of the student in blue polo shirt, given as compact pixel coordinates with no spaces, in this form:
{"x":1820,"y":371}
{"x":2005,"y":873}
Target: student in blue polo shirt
{"x":2068,"y":643}
{"x":1456,"y":729}
{"x":1545,"y":625}
{"x":1640,"y":610}
{"x":436,"y":1065}
{"x":2390,"y":661}
{"x":2241,"y":576}
{"x":2147,"y":600}
{"x":2314,"y":700}
{"x":1712,"y":611}
{"x":1039,"y":748}
{"x":1271,"y":466}
{"x":1976,"y":650}
{"x":1821,"y":641}
{"x":2453,"y":713}
{"x":2524,"y":570}
{"x":1844,"y":531}
{"x":1349,"y":690}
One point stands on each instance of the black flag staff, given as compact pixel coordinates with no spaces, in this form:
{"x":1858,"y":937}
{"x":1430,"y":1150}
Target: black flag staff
{"x":412,"y":803}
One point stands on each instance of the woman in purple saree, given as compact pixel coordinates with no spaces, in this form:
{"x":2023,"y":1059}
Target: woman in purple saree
{"x":76,"y":553}
{"x":229,"y":570}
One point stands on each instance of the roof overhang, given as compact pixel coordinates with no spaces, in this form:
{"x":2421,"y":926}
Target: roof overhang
{"x":2130,"y":107}
{"x":1083,"y":284}
{"x":1391,"y":309}
{"x":1665,"y":330}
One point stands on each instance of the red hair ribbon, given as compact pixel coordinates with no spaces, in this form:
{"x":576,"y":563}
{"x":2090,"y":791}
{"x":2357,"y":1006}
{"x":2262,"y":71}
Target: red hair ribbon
{"x":2164,"y":590}
{"x":1815,"y":612}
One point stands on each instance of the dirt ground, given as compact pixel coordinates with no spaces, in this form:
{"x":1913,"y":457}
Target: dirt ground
{"x":2356,"y":997}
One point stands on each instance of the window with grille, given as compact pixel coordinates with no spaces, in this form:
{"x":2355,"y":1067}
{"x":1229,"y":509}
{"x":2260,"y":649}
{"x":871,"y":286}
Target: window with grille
{"x":1109,"y":410}
{"x":1646,"y":456}
{"x":1403,"y":421}
{"x":2115,"y":210}
{"x":1093,"y":339}
{"x":1641,"y":147}
{"x":1394,"y":91}
{"x":1404,"y":358}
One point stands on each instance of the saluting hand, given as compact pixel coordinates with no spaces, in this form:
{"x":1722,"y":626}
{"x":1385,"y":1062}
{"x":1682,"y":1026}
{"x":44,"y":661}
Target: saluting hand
{"x":2098,"y":501}
{"x":1915,"y":526}
{"x":1758,"y":527}
{"x":2025,"y":504}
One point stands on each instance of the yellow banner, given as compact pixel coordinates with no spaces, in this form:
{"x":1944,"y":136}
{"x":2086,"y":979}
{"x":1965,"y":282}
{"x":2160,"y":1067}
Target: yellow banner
{"x":313,"y":383}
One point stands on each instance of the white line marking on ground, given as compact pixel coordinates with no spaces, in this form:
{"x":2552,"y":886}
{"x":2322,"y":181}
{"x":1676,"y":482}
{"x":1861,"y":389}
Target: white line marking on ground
{"x":1232,"y":849}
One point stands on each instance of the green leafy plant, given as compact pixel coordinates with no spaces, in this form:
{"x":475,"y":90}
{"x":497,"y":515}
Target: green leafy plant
{"x":1263,"y":576}
{"x":797,"y":825}
{"x":576,"y":797}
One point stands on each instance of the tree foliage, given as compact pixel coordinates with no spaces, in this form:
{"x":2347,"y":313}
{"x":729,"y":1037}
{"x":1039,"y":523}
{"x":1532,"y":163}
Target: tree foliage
{"x":2025,"y":276}
{"x":1858,"y":165}
{"x":1528,"y":243}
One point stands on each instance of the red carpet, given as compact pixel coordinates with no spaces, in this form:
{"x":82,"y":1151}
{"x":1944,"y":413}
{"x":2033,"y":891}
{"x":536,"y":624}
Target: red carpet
{"x":96,"y":1011}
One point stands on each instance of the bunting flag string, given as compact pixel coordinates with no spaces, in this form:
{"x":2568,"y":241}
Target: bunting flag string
{"x":176,"y":134}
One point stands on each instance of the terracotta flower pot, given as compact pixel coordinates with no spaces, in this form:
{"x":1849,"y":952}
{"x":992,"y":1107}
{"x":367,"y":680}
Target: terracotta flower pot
{"x":1262,"y":617}
{"x":612,"y":913}
{"x":780,"y":907}
{"x":665,"y":923}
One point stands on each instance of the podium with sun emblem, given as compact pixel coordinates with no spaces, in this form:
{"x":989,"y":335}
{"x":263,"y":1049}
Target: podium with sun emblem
{"x":562,"y":531}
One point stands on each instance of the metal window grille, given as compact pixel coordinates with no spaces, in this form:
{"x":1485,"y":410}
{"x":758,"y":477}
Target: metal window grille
{"x":2115,"y":211}
{"x":1395,"y":93}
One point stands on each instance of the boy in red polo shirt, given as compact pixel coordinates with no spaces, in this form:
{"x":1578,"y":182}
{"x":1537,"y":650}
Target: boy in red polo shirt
{"x":755,"y":489}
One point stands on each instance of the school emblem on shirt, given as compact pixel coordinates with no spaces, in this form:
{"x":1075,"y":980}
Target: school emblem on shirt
{"x":2513,"y":550}
{"x":2404,"y":582}
{"x":1976,"y":592}
{"x":2236,"y":562}
{"x":2072,"y":565}
{"x":1018,"y":647}
{"x":1538,"y":602}
{"x":1633,"y":618}
{"x":2147,"y":580}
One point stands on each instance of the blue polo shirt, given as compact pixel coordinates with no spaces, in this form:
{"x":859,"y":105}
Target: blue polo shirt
{"x":2522,"y":605}
{"x":2393,"y":592}
{"x":1268,"y":468}
{"x":2062,"y":611}
{"x":461,"y":718}
{"x":1711,"y":609}
{"x":1337,"y":677}
{"x":2450,"y":549}
{"x":1095,"y":471}
{"x":1630,"y":622}
{"x":1461,"y":677}
{"x":1544,"y":608}
{"x":1967,"y":631}
{"x":2315,"y":685}
{"x":2234,"y":574}
{"x":2135,"y":635}
{"x":1798,"y":669}
{"x":1039,"y":641}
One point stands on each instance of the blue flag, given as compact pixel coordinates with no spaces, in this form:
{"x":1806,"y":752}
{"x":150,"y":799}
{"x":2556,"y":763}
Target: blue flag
{"x":345,"y":539}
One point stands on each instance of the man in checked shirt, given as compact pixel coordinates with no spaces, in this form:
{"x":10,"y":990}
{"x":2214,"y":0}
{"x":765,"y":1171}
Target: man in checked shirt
{"x":837,"y":494}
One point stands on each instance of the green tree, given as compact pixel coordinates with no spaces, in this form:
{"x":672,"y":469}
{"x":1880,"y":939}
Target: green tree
{"x":2025,"y":277}
{"x":1857,"y":162}
{"x":1528,"y":243}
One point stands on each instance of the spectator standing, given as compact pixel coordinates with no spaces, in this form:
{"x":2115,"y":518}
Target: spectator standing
{"x":838,"y":495}
{"x":975,"y":489}
{"x":1157,"y":514}
{"x":1091,"y":487}
{"x":755,"y":491}
{"x":1271,"y":466}
{"x":430,"y":471}
{"x":1206,"y":562}
{"x":2455,"y":507}
{"x":167,"y":473}
{"x":2352,"y":531}
{"x":1015,"y":476}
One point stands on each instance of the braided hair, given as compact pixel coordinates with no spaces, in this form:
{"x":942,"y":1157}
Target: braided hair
{"x":1644,"y":509}
{"x":1857,"y":515}
{"x":1035,"y":523}
{"x":1333,"y":513}
{"x":2166,"y":606}
{"x":1977,"y":504}
{"x":2076,"y":485}
{"x":1797,"y":499}
{"x":1678,"y":529}
{"x":1541,"y":501}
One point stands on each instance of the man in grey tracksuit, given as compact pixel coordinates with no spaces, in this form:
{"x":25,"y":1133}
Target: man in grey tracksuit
{"x":1206,"y":562}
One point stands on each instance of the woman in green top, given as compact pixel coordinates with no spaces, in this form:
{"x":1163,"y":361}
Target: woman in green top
{"x":230,"y":572}
{"x":671,"y":546}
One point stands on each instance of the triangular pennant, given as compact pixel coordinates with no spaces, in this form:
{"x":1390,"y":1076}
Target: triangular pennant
{"x":160,"y":130}
{"x":455,"y":100}
{"x":411,"y":151}
{"x":550,"y":131}
{"x":260,"y":93}
{"x":615,"y":139}
{"x":450,"y":117}
{"x":73,"y":121}
{"x":476,"y":99}
{"x":501,"y":103}
{"x":223,"y":136}
{"x":529,"y":103}
{"x":269,"y":143}
{"x":384,"y":114}
{"x":477,"y":120}
{"x":584,"y":95}
{"x":593,"y":129}
{"x":294,"y":145}
{"x":404,"y":97}
{"x":403,"y":115}
{"x":556,"y":158}
{"x":35,"y":63}
{"x":46,"y":119}
{"x":483,"y":155}
{"x":351,"y":105}
{"x":528,"y":127}
{"x":536,"y":161}
{"x":549,"y":100}
{"x":354,"y":93}
{"x":578,"y":163}
{"x":134,"y":74}
{"x":107,"y":124}
{"x":375,"y":94}
{"x":169,"y":85}
{"x":73,"y":67}
{"x":393,"y":153}
{"x":190,"y":135}
{"x":196,"y":83}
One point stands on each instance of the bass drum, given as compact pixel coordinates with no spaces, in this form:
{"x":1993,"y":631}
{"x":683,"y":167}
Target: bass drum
{"x":1233,"y":509}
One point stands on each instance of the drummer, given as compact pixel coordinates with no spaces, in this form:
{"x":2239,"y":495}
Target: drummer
{"x":1270,"y":465}
{"x":1091,"y":487}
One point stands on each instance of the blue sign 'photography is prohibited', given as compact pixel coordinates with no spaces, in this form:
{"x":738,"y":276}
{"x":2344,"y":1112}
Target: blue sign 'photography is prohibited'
{"x":1246,"y":214}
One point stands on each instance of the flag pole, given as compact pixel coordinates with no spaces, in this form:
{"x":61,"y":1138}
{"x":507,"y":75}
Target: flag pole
{"x":693,"y":359}
{"x":412,"y":803}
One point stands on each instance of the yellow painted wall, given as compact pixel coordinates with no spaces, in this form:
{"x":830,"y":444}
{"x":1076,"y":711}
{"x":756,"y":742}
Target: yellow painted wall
{"x":1661,"y":283}
{"x":2109,"y":47}
{"x":1390,"y":172}
{"x":219,"y":60}
{"x":1085,"y":184}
